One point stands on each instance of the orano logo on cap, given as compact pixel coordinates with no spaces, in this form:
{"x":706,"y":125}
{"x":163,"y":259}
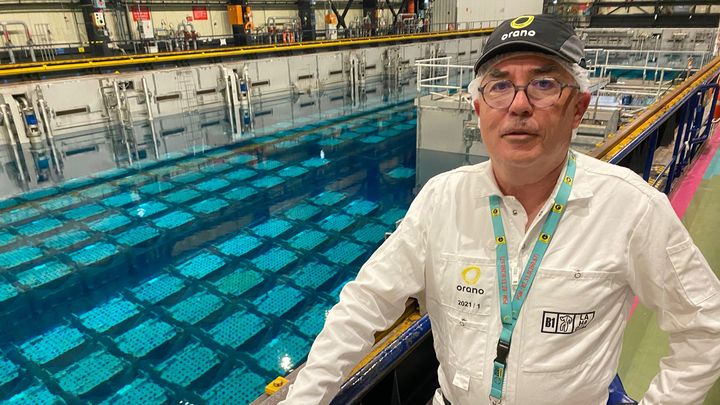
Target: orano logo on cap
{"x":522,"y":21}
{"x":518,"y":24}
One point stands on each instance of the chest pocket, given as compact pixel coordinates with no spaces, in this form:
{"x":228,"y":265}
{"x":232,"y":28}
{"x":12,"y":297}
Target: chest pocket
{"x":566,"y":318}
{"x":467,"y":290}
{"x":467,"y":284}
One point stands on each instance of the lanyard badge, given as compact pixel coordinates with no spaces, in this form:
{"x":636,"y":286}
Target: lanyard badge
{"x":510,"y":308}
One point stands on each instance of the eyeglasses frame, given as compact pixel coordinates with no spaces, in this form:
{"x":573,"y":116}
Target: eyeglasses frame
{"x":517,"y":88}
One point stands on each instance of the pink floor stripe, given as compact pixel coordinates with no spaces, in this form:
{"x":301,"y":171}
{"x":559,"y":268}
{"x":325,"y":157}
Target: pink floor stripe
{"x":681,"y":197}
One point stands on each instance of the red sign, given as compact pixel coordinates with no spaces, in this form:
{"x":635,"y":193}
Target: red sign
{"x":200,"y":12}
{"x":140,"y":13}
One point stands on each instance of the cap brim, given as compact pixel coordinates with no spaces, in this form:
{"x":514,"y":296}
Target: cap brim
{"x":517,"y":46}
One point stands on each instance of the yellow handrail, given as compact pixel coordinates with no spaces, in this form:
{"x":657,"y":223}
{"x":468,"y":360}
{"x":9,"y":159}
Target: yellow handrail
{"x":118,"y":61}
{"x":628,"y":133}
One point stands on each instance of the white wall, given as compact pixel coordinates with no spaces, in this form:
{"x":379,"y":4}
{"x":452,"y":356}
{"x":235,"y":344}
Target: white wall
{"x":474,"y":10}
{"x":65,"y":25}
{"x":464,"y":12}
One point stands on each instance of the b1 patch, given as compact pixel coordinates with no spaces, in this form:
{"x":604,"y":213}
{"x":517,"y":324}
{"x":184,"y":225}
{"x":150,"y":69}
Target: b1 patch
{"x":565,"y":323}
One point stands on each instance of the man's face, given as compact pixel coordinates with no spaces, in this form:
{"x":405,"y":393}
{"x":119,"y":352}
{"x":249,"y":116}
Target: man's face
{"x":522,"y":135}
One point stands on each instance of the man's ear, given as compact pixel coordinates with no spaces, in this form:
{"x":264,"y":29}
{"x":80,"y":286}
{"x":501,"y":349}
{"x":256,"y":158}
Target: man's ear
{"x":583,"y":101}
{"x":476,"y":106}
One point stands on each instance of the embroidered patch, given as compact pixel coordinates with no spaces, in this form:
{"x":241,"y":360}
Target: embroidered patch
{"x":565,"y":324}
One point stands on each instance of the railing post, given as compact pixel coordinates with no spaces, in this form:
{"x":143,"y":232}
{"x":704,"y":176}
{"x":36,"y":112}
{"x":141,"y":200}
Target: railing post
{"x":695,"y":137}
{"x":679,"y":137}
{"x":689,"y":130}
{"x":708,"y":125}
{"x":447,"y":72}
{"x":662,"y":78}
{"x":419,"y":77}
{"x":607,"y":61}
{"x":652,"y":143}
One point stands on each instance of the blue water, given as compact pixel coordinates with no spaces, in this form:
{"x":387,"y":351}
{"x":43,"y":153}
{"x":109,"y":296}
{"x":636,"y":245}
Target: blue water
{"x":200,"y":278}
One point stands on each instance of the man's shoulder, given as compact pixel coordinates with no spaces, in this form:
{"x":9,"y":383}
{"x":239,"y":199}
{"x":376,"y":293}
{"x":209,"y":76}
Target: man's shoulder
{"x":462,"y":172}
{"x":465,"y":177}
{"x":618,"y":179}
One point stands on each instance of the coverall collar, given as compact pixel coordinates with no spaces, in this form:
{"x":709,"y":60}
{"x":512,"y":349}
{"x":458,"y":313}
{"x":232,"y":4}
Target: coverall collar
{"x":579,"y":191}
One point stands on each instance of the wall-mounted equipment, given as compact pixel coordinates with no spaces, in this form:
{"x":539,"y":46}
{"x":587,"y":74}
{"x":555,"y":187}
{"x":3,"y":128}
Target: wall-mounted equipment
{"x":99,"y":19}
{"x":146,"y":30}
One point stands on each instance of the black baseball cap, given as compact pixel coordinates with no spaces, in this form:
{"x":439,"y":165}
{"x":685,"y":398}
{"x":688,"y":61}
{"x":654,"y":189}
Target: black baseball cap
{"x":539,"y":33}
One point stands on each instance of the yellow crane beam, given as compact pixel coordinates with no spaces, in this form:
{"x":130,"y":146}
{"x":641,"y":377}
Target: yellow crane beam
{"x":127,"y":60}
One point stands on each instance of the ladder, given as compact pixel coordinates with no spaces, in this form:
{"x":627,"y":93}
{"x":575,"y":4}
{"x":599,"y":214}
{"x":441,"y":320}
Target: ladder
{"x":194,"y":136}
{"x":120,"y":126}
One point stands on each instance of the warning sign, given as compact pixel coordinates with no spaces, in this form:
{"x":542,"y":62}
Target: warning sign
{"x":140,"y":13}
{"x":200,"y":13}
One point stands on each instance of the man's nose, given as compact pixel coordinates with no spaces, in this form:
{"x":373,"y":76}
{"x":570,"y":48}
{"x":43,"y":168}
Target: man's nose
{"x":520,"y":104}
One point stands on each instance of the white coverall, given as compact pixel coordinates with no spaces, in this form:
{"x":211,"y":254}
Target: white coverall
{"x":618,"y":238}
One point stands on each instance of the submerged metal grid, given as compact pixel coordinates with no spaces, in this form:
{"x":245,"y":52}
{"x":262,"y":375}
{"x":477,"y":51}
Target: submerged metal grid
{"x":51,"y":345}
{"x":89,"y":372}
{"x":244,"y":282}
{"x":145,"y":338}
{"x":140,"y":391}
{"x":188,"y":365}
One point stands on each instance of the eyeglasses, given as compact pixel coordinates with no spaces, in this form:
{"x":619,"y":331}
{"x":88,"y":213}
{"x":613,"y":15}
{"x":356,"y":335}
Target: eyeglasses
{"x":542,"y":93}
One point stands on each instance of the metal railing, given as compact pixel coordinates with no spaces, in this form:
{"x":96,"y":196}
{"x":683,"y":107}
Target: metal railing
{"x":674,"y":61}
{"x":685,"y":113}
{"x":438,"y":74}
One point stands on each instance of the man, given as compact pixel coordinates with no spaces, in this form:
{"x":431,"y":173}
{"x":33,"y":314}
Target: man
{"x":529,"y":263}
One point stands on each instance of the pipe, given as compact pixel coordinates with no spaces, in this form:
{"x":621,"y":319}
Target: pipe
{"x":185,"y":24}
{"x":150,"y":117}
{"x":28,"y":35}
{"x":34,"y":135}
{"x":13,"y":144}
{"x":8,"y":42}
{"x":228,"y":98}
{"x":130,"y":24}
{"x":44,"y":108}
{"x":24,"y":102}
{"x":248,"y":95}
{"x":192,"y":38}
